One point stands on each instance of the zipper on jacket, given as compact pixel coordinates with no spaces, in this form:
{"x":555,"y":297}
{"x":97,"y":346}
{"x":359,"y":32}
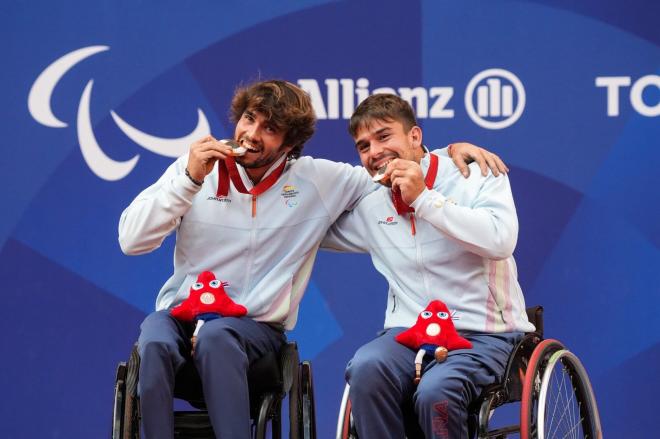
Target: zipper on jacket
{"x":251,"y":247}
{"x":393,"y":302}
{"x":418,"y":251}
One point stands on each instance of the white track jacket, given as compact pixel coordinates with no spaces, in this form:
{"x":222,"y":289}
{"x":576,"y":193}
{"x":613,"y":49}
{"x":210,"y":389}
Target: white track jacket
{"x":460,"y":253}
{"x":266,"y":258}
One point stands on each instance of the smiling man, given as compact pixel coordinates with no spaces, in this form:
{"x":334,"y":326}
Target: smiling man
{"x":434,"y":235}
{"x":255,"y":221}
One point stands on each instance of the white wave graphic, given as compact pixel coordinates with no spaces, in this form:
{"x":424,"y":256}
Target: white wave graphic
{"x":174,"y":147}
{"x":42,"y":89}
{"x":39,"y":105}
{"x":100,"y":164}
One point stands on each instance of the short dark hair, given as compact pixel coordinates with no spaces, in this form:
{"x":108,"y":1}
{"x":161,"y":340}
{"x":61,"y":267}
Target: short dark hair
{"x":382,"y":106}
{"x":286,"y":105}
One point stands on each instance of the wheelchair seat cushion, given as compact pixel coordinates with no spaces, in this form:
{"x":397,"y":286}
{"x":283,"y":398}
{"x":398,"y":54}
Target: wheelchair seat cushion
{"x":264,"y":376}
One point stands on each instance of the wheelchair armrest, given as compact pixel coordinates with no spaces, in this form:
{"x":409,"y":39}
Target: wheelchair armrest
{"x":289,"y":360}
{"x":535,"y":316}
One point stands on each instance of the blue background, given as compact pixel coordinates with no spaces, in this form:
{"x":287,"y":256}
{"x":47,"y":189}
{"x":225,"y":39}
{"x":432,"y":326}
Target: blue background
{"x":582,"y":180}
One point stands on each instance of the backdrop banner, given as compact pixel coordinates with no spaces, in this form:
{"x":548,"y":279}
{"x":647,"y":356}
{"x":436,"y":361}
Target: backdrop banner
{"x":98,"y":98}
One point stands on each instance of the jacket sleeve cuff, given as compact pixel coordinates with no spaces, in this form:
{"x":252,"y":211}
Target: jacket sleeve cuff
{"x":184,"y":186}
{"x":428,"y":198}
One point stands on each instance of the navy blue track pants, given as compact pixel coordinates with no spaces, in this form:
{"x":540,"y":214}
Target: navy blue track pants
{"x":387,"y":404}
{"x":225,"y":348}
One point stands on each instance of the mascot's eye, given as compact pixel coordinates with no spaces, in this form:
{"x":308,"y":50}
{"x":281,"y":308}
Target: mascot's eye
{"x":443,"y":315}
{"x":214,"y":283}
{"x":426,"y":314}
{"x":197,"y":286}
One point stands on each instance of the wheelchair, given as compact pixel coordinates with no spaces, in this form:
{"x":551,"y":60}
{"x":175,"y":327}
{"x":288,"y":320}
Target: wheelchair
{"x":270,"y":380}
{"x":549,"y":382}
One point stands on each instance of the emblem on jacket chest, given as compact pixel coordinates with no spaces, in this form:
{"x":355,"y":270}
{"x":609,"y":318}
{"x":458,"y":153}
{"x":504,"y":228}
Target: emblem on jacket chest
{"x":289,"y":195}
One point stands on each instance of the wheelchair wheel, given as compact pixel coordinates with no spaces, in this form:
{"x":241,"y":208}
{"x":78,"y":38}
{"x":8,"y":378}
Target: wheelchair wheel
{"x":532,"y":387}
{"x":567,"y":406}
{"x":345,"y":424}
{"x":118,"y":406}
{"x":307,"y":401}
{"x":132,"y":403}
{"x":269,"y":406}
{"x":555,"y":380}
{"x":126,"y":410}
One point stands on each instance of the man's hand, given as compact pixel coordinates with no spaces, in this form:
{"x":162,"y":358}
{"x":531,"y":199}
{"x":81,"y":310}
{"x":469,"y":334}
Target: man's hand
{"x":463,"y":153}
{"x":203,"y":155}
{"x":406,"y":176}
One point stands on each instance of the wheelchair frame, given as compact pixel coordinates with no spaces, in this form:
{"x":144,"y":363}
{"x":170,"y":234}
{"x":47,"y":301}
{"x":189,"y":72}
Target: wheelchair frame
{"x":286,"y":375}
{"x":529,"y":372}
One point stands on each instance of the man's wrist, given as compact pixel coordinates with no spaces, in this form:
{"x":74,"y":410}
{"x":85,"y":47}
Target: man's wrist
{"x":449,"y":148}
{"x":197,"y":182}
{"x":420,"y":198}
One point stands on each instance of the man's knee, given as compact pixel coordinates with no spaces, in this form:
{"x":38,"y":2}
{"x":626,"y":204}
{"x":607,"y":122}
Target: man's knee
{"x":156,"y":322}
{"x":158,"y":329}
{"x":366,"y":371}
{"x":157,"y":350}
{"x":219,"y":336}
{"x":158,"y":339}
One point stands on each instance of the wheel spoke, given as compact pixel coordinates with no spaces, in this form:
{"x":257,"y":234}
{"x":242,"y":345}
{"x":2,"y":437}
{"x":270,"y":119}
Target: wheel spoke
{"x":566,"y":399}
{"x":554,"y":410}
{"x":565,"y":405}
{"x":563,"y":391}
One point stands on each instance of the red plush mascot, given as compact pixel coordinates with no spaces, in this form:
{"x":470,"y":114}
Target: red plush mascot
{"x":434,"y":333}
{"x":207,"y":301}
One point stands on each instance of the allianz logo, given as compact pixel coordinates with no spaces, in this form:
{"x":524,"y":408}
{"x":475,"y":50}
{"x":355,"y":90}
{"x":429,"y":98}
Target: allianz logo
{"x":494,"y":98}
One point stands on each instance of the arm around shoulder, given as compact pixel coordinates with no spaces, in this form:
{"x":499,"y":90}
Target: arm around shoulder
{"x":346,"y":235}
{"x":340,"y":185}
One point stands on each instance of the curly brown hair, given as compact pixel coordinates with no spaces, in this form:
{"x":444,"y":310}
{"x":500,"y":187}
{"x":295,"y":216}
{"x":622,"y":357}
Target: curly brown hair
{"x":286,"y":105}
{"x":384,"y":107}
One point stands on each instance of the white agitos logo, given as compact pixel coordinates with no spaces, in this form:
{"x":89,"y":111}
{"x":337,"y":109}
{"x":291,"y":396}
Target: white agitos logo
{"x":102,"y":165}
{"x":496,"y":90}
